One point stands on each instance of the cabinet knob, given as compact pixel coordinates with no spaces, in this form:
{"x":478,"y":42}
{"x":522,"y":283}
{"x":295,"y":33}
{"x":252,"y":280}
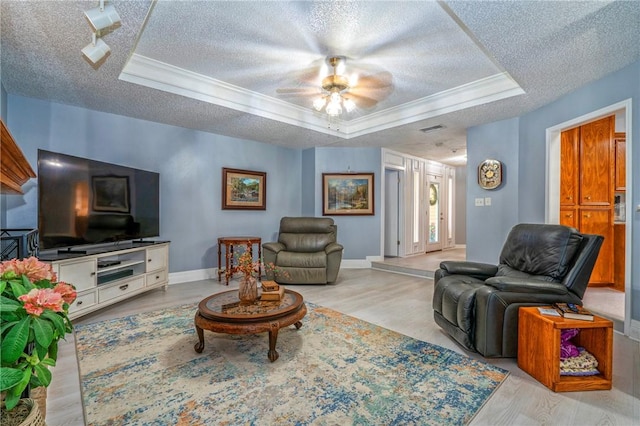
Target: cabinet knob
{"x":79,"y":303}
{"x":568,"y":215}
{"x":93,"y":274}
{"x":569,"y":197}
{"x":588,"y":197}
{"x":124,"y":287}
{"x":588,"y":216}
{"x":148,"y":260}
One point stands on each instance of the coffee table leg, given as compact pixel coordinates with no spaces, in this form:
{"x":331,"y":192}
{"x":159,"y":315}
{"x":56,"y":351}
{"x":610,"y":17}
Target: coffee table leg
{"x":298,"y":324}
{"x":199,"y":347}
{"x":273,"y":337}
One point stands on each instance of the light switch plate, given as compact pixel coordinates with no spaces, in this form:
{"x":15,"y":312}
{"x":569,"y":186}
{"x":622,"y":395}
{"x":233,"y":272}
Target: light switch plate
{"x":487,"y":201}
{"x":479,"y":202}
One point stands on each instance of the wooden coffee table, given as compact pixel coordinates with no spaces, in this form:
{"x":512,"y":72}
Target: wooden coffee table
{"x":223,"y":313}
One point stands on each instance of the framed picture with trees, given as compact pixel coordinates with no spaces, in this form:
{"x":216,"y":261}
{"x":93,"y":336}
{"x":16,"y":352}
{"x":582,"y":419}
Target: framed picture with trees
{"x":244,"y":190}
{"x":347,"y":194}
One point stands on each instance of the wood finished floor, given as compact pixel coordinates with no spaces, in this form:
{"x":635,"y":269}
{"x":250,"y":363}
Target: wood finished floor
{"x":401,"y":303}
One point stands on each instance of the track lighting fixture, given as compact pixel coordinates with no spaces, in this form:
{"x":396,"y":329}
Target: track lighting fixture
{"x":102,"y":17}
{"x":96,"y":50}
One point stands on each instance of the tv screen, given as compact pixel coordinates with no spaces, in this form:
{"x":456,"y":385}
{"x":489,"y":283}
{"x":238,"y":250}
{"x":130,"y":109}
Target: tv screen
{"x":82,"y":201}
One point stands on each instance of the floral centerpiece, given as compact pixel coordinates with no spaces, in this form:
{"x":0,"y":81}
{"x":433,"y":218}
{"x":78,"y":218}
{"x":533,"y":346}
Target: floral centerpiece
{"x":248,"y":288}
{"x":34,"y":310}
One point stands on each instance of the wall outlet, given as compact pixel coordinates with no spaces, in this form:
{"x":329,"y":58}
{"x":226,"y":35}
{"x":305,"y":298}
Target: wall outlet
{"x":487,"y":201}
{"x":479,"y":202}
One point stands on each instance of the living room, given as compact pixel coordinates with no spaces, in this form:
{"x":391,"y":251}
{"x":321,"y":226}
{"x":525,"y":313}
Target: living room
{"x":190,"y":163}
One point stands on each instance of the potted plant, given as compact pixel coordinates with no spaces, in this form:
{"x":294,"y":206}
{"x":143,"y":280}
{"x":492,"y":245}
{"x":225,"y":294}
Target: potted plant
{"x":34,"y":310}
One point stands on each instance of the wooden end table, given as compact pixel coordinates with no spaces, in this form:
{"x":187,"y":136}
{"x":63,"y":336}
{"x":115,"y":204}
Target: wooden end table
{"x":229,"y":243}
{"x":223,"y":313}
{"x":539,"y":349}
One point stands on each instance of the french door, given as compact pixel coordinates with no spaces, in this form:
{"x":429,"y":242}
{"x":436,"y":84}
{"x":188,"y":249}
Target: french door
{"x":435,"y":214}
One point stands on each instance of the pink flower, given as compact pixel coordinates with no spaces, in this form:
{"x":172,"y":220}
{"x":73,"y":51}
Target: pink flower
{"x":31,"y":267}
{"x":67,"y":292}
{"x":37,"y":300}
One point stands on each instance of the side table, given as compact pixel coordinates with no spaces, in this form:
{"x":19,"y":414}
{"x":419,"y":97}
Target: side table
{"x":230,"y":267}
{"x":539,"y":349}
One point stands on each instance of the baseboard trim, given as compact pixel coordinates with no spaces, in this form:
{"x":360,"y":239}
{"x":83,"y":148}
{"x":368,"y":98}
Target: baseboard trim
{"x":194,"y":275}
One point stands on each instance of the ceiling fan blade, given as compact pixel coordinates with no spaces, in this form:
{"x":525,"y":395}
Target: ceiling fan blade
{"x":361,"y":101}
{"x":380,"y":80}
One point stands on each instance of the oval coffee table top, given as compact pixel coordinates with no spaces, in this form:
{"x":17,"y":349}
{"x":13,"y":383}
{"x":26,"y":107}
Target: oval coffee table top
{"x":226,"y":307}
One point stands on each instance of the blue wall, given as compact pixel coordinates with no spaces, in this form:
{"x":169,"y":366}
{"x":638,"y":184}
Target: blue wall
{"x":526,"y":195}
{"x":189,"y":162}
{"x":366,"y":230}
{"x":487,"y":226}
{"x":190,"y":165}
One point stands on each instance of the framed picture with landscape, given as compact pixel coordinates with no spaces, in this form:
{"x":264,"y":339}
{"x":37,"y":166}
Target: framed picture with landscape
{"x":347,"y":194}
{"x":244,"y":190}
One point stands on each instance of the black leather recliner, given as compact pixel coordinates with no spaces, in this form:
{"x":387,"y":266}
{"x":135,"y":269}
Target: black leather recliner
{"x":477,"y":303}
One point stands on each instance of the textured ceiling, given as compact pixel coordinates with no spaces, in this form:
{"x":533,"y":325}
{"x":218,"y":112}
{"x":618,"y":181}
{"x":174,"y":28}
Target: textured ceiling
{"x":217,"y":66}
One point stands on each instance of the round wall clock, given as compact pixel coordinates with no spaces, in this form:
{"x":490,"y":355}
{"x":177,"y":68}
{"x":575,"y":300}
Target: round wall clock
{"x":490,"y":174}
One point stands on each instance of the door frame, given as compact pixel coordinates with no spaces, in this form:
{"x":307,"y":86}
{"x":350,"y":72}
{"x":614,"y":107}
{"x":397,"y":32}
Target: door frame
{"x":552,"y":184}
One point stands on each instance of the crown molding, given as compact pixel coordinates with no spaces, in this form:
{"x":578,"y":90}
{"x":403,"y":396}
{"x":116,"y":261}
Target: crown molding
{"x":162,"y":76}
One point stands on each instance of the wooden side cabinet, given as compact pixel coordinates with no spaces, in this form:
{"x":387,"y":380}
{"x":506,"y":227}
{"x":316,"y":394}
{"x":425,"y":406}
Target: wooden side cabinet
{"x":539,"y":349}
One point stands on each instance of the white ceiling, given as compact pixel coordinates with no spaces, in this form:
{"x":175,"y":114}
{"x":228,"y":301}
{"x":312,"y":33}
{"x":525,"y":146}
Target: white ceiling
{"x":216,"y":66}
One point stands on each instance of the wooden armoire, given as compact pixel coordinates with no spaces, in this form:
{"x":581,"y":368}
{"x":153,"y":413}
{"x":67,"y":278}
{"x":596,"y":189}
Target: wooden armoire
{"x":587,"y":174}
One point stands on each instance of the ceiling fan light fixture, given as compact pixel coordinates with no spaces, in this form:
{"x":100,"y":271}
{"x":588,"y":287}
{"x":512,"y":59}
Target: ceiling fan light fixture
{"x":349,"y":105}
{"x":334,"y":107}
{"x":318,"y":103}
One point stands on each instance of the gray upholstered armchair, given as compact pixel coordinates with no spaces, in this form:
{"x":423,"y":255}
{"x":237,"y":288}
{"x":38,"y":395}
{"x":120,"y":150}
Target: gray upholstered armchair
{"x":306,"y":250}
{"x":477,"y":303}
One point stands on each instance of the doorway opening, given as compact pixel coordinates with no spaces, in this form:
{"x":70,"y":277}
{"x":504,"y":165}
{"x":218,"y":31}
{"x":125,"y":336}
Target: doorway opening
{"x":615,"y":306}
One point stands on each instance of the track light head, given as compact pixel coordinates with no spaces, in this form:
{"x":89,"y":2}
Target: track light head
{"x":102,"y":17}
{"x":96,"y":50}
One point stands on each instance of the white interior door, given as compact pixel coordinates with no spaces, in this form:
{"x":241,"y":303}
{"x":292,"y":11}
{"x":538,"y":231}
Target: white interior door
{"x":391,"y":212}
{"x":435,"y":214}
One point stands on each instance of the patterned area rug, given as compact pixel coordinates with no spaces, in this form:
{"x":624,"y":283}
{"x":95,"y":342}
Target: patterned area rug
{"x":336,"y":369}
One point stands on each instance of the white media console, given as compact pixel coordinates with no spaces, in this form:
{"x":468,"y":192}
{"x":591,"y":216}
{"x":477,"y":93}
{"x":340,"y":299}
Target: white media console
{"x":108,"y":276}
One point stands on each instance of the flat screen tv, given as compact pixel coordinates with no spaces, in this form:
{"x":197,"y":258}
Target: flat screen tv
{"x":82,"y":202}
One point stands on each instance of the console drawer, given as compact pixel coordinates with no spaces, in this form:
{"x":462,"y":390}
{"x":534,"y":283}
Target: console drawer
{"x":120,"y":289}
{"x":82,"y":302}
{"x":156,"y":278}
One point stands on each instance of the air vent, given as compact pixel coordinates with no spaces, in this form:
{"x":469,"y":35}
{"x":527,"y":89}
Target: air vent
{"x":432,"y":128}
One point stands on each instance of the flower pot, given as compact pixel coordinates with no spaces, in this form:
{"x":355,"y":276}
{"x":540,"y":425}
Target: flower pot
{"x":26,"y":413}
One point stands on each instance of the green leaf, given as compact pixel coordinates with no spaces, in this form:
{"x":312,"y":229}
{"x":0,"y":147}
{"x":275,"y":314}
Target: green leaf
{"x":6,"y":326}
{"x":53,"y":352}
{"x":43,"y":331}
{"x":3,"y":285}
{"x":6,"y":302}
{"x":11,"y":399}
{"x":57,"y":321}
{"x":15,"y":341}
{"x":43,"y":373}
{"x":9,"y":377}
{"x":18,"y":288}
{"x":49,"y":362}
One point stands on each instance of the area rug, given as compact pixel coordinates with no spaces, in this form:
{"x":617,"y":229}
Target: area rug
{"x":336,"y":369}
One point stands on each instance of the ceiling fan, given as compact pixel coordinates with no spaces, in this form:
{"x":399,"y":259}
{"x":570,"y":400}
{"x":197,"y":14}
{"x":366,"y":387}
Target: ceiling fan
{"x":338,"y":92}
